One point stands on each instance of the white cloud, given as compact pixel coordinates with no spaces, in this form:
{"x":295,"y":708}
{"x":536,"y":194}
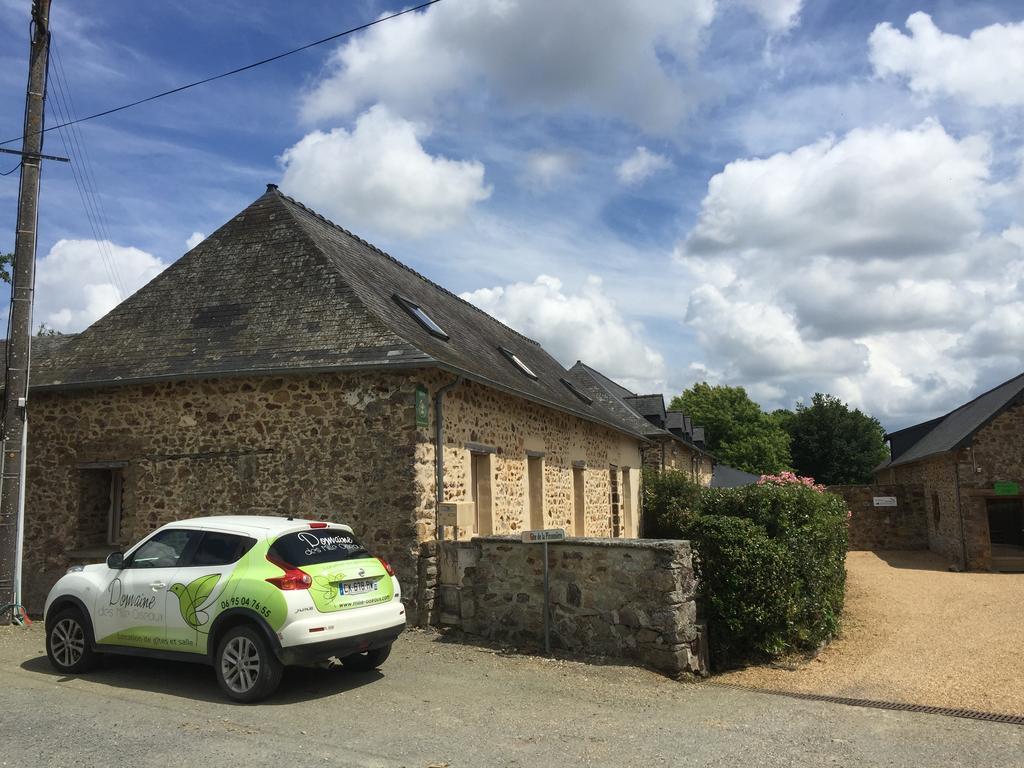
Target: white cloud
{"x":379,"y":176}
{"x":548,"y":168}
{"x":874,"y":192}
{"x":75,"y":287}
{"x":194,"y":239}
{"x":640,"y":165}
{"x":622,"y":59}
{"x":861,"y":266}
{"x":778,"y":15}
{"x":584,"y":326}
{"x":986,"y":68}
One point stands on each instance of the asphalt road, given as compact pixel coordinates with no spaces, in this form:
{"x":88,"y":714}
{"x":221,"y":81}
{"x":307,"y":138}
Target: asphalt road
{"x":440,"y":703}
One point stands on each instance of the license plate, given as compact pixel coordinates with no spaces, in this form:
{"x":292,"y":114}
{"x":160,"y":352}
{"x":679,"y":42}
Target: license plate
{"x":357,"y":587}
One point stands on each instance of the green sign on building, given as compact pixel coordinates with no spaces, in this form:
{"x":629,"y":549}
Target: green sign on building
{"x":422,"y":407}
{"x":1006,"y":488}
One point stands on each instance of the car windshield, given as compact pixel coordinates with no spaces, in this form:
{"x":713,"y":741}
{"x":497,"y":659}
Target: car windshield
{"x":322,"y":545}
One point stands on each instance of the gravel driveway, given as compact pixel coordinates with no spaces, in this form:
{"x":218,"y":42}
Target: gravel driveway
{"x":441,"y":703}
{"x":916,"y":633}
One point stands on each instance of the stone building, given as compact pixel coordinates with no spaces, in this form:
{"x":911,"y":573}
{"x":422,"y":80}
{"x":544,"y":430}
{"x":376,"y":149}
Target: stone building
{"x":970,"y":467}
{"x":284,"y":366}
{"x":674,"y":442}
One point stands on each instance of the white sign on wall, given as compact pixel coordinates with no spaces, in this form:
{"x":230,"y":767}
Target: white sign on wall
{"x":885,"y":501}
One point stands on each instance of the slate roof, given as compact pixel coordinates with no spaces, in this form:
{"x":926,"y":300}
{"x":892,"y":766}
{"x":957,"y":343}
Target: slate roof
{"x":651,"y":407}
{"x":724,"y":476}
{"x":281,"y":289}
{"x":955,"y":429}
{"x":626,"y":405}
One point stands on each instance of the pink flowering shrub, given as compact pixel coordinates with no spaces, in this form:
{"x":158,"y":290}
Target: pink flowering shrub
{"x":789,"y":478}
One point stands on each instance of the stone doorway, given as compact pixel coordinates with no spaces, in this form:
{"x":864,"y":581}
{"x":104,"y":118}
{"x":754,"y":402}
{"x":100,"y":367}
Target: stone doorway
{"x":1006,"y":533}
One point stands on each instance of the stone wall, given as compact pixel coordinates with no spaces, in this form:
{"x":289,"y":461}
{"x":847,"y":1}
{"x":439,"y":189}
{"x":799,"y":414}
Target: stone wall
{"x":621,"y":599}
{"x":334,"y":447}
{"x":669,"y":454}
{"x":904,"y":526}
{"x":508,"y":430}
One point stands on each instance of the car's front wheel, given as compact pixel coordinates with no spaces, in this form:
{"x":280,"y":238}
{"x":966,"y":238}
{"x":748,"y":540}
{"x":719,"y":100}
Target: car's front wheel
{"x":68,"y":644}
{"x":367,"y":660}
{"x":247,"y":668}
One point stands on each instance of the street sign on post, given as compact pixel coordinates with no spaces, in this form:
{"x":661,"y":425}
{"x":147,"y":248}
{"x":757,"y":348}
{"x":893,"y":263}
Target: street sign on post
{"x":543,"y":537}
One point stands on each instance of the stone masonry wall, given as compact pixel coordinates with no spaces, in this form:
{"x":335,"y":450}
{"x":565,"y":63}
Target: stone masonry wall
{"x":334,"y":447}
{"x":904,"y":526}
{"x":622,"y":599}
{"x":508,"y":428}
{"x":671,"y":455}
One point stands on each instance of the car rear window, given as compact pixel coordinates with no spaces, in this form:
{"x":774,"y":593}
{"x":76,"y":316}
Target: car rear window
{"x":322,"y":545}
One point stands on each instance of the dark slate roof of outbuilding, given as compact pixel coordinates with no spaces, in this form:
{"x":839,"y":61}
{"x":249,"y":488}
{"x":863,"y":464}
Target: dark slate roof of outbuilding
{"x":724,"y":476}
{"x":619,"y":400}
{"x":281,"y":289}
{"x":955,"y":429}
{"x":605,"y":391}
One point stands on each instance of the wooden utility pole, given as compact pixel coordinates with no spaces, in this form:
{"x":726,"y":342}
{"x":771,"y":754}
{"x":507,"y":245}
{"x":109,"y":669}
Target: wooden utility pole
{"x":19,"y":333}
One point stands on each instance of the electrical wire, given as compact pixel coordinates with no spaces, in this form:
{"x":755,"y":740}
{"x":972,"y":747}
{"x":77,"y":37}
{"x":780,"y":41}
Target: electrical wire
{"x":74,"y":145}
{"x":8,"y":173}
{"x":235,"y":71}
{"x":86,"y":162}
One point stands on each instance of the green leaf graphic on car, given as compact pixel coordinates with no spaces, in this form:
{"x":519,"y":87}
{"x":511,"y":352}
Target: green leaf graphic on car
{"x":325,"y":588}
{"x":192,"y":596}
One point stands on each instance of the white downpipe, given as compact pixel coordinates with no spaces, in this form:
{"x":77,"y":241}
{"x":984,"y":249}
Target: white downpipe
{"x":18,"y":556}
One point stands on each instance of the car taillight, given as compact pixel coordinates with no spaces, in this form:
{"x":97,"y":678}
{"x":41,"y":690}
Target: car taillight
{"x":387,"y":566}
{"x":318,"y":525}
{"x":293,"y":578}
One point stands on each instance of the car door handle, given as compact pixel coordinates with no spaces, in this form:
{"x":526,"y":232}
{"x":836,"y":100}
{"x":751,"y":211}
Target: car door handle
{"x":158,"y":585}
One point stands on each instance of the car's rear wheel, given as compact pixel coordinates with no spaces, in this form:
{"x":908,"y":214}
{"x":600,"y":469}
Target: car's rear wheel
{"x":367,"y":660}
{"x":68,"y":642}
{"x":247,"y":669}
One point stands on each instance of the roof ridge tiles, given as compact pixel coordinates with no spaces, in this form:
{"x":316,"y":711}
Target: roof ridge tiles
{"x":385,"y":254}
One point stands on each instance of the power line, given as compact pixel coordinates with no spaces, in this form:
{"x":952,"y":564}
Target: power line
{"x":85,"y":167}
{"x":8,"y":173}
{"x":67,"y":138}
{"x":235,"y":71}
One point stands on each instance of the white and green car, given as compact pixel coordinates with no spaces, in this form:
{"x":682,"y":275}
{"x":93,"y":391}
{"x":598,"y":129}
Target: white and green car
{"x":246,"y":594}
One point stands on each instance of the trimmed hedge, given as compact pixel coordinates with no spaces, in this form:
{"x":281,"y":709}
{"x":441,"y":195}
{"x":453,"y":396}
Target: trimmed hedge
{"x":770,"y":560}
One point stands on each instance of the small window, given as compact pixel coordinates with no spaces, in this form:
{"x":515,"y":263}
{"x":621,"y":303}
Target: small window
{"x":164,"y":550}
{"x":218,"y":548}
{"x":420,"y":315}
{"x":572,"y":388}
{"x":514,"y":358}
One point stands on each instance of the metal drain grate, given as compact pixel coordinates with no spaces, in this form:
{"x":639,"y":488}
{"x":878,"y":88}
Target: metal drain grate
{"x":969,"y":714}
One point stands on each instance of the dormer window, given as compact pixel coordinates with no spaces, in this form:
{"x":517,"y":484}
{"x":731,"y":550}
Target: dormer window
{"x":572,"y":388}
{"x":514,"y":359}
{"x":421,"y":317}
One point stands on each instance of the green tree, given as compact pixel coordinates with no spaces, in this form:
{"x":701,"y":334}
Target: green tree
{"x":5,"y":269}
{"x":834,"y":444}
{"x":738,"y":431}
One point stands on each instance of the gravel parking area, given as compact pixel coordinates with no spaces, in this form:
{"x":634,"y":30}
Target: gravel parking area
{"x":438,"y":703}
{"x":916,"y":633}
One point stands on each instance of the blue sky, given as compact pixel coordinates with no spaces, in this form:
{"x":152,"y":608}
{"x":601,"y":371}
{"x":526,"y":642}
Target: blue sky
{"x":795,"y":197}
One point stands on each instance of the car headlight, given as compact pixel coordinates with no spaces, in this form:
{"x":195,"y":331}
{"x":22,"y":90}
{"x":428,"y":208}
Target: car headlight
{"x":74,"y":569}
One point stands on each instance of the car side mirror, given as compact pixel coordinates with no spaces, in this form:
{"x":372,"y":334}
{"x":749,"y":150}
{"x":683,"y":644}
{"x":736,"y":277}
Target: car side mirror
{"x":115,"y":561}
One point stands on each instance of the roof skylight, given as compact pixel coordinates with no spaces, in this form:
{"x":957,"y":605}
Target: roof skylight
{"x":421,"y":317}
{"x":576,"y":391}
{"x":514,"y":358}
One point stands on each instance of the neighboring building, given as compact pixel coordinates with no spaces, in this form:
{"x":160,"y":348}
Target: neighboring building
{"x":970,"y":463}
{"x":675,"y":443}
{"x":284,"y":366}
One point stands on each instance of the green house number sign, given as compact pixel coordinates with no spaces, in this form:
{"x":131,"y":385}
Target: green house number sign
{"x":1006,"y":488}
{"x":422,"y":407}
